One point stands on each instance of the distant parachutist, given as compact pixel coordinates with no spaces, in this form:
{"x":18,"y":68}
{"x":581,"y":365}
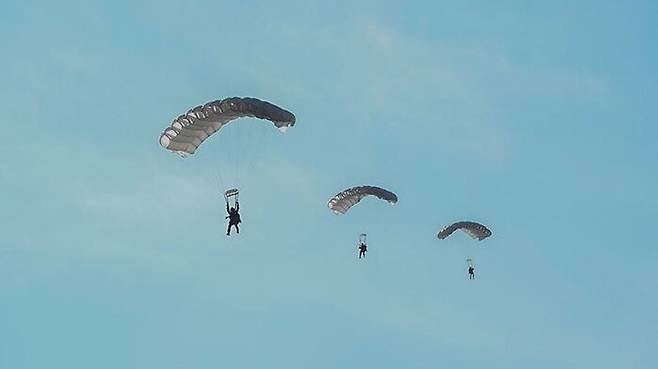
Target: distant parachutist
{"x":363,"y":248}
{"x":233,"y":211}
{"x":471,"y":268}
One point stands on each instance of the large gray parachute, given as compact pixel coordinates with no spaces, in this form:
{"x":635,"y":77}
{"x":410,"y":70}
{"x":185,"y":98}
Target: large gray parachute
{"x":187,"y":132}
{"x":342,"y":202}
{"x":475,"y":230}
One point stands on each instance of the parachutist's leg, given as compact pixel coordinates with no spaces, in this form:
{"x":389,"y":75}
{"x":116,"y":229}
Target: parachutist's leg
{"x":237,"y":229}
{"x":228,"y":230}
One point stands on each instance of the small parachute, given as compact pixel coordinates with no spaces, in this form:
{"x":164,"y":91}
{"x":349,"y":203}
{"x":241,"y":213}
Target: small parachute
{"x":475,"y":230}
{"x":343,"y":201}
{"x":187,"y":132}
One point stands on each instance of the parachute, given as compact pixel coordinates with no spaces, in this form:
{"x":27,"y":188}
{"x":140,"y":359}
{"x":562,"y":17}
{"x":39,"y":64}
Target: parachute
{"x":343,"y":201}
{"x":187,"y":132}
{"x":475,"y":230}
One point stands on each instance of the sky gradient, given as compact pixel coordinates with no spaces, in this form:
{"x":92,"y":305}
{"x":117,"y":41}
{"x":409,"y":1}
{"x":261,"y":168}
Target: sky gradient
{"x":538,"y":120}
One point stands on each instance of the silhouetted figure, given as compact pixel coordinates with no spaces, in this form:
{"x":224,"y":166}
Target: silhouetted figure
{"x":471,"y":272}
{"x":362,"y":250}
{"x":233,"y":218}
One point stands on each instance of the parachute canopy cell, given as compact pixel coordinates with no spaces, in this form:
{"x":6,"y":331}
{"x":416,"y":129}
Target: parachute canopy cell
{"x":475,"y":230}
{"x":343,"y":201}
{"x":187,"y":132}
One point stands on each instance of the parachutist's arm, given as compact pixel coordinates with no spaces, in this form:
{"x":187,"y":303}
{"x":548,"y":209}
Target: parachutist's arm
{"x":237,"y":206}
{"x":227,"y":210}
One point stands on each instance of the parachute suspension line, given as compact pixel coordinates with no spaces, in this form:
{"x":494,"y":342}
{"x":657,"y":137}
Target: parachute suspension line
{"x":249,"y":147}
{"x":223,"y":166}
{"x":236,"y":146}
{"x":247,"y":144}
{"x":242,"y":147}
{"x":229,"y":159}
{"x":252,"y":141}
{"x":231,"y":146}
{"x":256,"y":139}
{"x":469,"y":261}
{"x":219,"y":181}
{"x":236,"y":154}
{"x":219,"y":168}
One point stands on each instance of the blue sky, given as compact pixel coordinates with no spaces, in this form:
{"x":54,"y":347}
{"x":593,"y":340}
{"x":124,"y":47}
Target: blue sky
{"x":536,"y":119}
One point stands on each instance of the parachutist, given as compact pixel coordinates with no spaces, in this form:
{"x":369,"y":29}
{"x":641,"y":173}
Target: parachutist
{"x":471,"y":272}
{"x":362,"y":250}
{"x":233,"y":218}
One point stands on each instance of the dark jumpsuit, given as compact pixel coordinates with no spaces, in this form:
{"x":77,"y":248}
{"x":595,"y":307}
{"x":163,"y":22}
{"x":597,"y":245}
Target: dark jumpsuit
{"x":362,"y":250}
{"x":233,"y":218}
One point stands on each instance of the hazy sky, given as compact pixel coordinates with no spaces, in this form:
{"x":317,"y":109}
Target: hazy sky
{"x":537,"y":119}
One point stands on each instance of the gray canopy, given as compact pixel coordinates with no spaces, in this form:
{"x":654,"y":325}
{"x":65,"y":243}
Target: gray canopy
{"x":187,"y":132}
{"x":473,"y":229}
{"x":342,"y":202}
